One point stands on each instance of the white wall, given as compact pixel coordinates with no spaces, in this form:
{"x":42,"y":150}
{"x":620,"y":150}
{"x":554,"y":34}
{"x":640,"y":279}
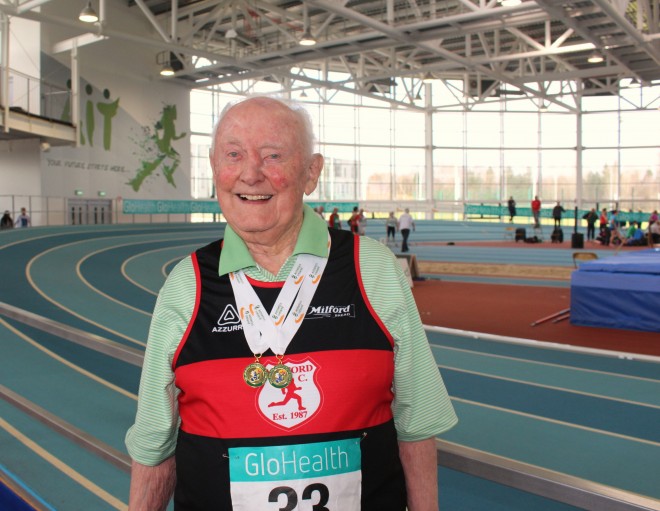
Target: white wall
{"x":24,"y":58}
{"x":19,"y":161}
{"x":109,"y":157}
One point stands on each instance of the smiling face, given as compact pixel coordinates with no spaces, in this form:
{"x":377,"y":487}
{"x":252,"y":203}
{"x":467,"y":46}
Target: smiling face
{"x":262,"y":167}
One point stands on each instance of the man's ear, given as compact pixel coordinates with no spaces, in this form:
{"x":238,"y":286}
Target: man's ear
{"x":314,"y":172}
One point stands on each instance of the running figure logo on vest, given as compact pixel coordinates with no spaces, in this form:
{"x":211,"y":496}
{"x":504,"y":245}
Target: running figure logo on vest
{"x":296,"y":403}
{"x":228,"y":321}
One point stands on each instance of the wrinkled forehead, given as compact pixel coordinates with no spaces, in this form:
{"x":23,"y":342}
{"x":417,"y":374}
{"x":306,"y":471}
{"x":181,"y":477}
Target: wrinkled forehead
{"x":262,"y":113}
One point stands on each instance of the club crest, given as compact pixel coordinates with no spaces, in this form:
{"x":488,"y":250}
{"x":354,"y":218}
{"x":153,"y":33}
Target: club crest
{"x":294,"y":404}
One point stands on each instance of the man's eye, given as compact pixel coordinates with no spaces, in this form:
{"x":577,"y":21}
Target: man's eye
{"x":273,"y":156}
{"x":232,"y":154}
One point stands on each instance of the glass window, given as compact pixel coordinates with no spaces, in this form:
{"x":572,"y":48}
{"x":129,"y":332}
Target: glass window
{"x":448,"y":129}
{"x":521,"y":129}
{"x":409,"y":174}
{"x":338,"y":125}
{"x":558,"y":130}
{"x":448,"y":174}
{"x":640,"y":128}
{"x":558,"y":177}
{"x":599,"y":175}
{"x":600,"y":130}
{"x":640,"y":177}
{"x":483,"y":175}
{"x":520,"y":169}
{"x":408,"y":127}
{"x":483,"y":129}
{"x":374,"y":126}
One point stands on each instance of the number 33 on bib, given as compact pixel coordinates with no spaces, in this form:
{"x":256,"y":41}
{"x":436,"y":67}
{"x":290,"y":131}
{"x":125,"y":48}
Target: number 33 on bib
{"x":324,"y":476}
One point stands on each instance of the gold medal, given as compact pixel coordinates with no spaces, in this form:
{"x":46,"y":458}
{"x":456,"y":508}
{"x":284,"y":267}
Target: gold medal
{"x":280,"y":375}
{"x":255,"y":375}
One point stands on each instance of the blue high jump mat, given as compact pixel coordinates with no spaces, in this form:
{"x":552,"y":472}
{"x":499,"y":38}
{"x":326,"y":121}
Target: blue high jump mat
{"x":618,"y":292}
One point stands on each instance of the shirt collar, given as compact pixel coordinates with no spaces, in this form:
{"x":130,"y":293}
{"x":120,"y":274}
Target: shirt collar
{"x":312,"y":239}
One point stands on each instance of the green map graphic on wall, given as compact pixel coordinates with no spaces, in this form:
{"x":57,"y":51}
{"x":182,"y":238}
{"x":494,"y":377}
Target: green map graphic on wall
{"x":157,"y":149}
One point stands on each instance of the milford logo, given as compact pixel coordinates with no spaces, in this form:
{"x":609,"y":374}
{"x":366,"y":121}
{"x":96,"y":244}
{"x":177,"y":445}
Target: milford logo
{"x":331,"y":311}
{"x":229,"y":320}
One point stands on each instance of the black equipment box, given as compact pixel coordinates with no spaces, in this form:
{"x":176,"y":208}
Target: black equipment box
{"x":577,"y":240}
{"x":521,"y":234}
{"x":557,"y":235}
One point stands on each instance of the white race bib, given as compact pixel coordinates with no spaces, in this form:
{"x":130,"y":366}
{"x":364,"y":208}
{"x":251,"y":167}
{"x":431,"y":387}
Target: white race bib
{"x":324,"y":476}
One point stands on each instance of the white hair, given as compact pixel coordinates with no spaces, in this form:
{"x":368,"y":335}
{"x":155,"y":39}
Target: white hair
{"x":297,"y":109}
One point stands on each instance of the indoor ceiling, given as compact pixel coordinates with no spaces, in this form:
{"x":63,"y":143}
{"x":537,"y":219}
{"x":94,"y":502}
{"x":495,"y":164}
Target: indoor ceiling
{"x":379,"y":44}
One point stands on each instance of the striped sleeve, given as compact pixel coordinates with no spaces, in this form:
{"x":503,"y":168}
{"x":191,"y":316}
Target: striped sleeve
{"x":152,"y":438}
{"x":422,"y":408}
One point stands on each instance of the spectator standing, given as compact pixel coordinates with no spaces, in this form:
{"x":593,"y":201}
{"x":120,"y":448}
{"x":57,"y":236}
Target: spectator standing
{"x":654,"y":231}
{"x":406,"y":223}
{"x":556,"y":214}
{"x":511,"y":204}
{"x":362,"y":223}
{"x":354,"y":221}
{"x":320,"y":212}
{"x":6,"y":222}
{"x":591,"y":217}
{"x":603,"y":218}
{"x":391,"y":226}
{"x":23,"y":220}
{"x":334,"y":222}
{"x":536,"y":211}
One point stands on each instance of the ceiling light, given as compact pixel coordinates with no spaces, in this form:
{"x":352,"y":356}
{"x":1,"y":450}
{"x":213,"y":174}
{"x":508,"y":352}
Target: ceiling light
{"x":595,"y":58}
{"x":167,"y":70}
{"x":303,"y":94}
{"x":634,"y":84}
{"x":88,"y":14}
{"x":307,"y":39}
{"x":231,"y":34}
{"x":543,"y":107}
{"x":510,"y":3}
{"x":428,"y":78}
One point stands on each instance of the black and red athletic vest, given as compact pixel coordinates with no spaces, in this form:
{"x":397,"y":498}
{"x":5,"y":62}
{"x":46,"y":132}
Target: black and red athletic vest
{"x":343,"y":365}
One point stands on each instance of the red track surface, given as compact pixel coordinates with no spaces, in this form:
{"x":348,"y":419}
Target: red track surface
{"x":510,"y":310}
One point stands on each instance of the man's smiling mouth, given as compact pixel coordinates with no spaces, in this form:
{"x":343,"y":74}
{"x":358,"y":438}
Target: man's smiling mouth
{"x":254,"y":197}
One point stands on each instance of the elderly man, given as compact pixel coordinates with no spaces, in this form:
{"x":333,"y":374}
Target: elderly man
{"x":286,"y":365}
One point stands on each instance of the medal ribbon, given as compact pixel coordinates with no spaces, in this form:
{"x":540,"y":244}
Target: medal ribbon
{"x":276,"y":330}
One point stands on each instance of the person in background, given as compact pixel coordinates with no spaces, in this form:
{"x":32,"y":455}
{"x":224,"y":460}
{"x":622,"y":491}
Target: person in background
{"x":321,"y":212}
{"x":511,"y":204}
{"x":334,"y":222}
{"x":362,"y":223}
{"x":354,"y":221}
{"x":226,"y":396}
{"x":654,"y":231}
{"x":391,"y":226}
{"x":6,"y":222}
{"x":556,"y":214}
{"x":603,"y":218}
{"x":23,"y":220}
{"x":536,"y":211}
{"x":591,"y":217}
{"x":635,"y":236}
{"x":406,"y":223}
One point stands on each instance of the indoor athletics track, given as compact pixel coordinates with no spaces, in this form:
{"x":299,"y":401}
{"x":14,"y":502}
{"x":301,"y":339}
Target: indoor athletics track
{"x":588,"y":414}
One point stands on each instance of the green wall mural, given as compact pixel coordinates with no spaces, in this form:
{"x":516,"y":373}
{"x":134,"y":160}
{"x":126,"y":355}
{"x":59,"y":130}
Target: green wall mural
{"x":159,"y":144}
{"x":138,"y":153}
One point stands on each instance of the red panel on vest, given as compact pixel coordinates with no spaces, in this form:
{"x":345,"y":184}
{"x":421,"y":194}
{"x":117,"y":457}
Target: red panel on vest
{"x":331,"y":391}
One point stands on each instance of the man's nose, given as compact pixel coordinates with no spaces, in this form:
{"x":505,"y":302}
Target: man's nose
{"x":252,"y":171}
